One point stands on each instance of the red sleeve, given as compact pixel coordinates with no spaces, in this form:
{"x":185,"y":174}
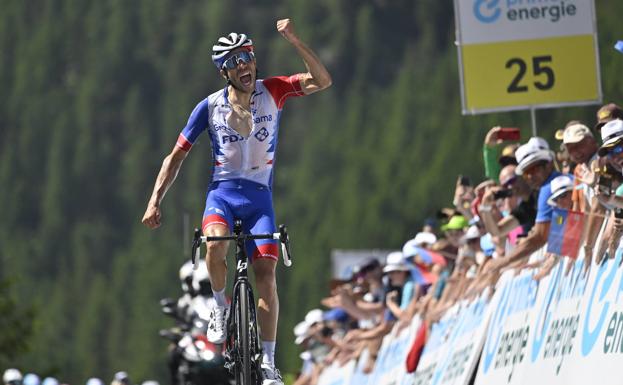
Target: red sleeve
{"x":283,"y":87}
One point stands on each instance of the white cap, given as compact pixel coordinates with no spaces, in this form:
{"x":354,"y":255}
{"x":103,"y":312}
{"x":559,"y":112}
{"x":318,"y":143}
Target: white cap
{"x":300,"y":331}
{"x":94,"y":381}
{"x":575,"y":133}
{"x":11,"y":375}
{"x":313,"y":316}
{"x":536,"y":149}
{"x":611,"y":133}
{"x":559,"y":185}
{"x":49,"y":381}
{"x":395,"y":262}
{"x":472,"y":233}
{"x":424,"y":237}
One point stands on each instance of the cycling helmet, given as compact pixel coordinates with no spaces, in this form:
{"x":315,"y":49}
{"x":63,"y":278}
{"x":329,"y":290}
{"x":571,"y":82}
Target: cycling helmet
{"x":31,"y":379}
{"x":201,"y":280}
{"x":226,"y":44}
{"x":186,"y":276}
{"x":12,"y":376}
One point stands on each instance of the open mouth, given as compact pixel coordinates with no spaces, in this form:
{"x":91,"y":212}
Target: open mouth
{"x":245,"y":79}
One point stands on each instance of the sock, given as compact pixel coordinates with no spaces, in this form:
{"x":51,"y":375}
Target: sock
{"x":269,"y":352}
{"x":219,"y":297}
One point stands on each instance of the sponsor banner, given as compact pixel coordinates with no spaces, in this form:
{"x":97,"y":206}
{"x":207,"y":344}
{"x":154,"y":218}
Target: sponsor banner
{"x":337,"y":375}
{"x":504,"y":352}
{"x":572,"y":334}
{"x":437,"y":346}
{"x":465,"y":343}
{"x":359,"y":377}
{"x":391,"y":368}
{"x":487,"y":21}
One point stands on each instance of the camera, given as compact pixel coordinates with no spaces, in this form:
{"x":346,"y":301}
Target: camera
{"x":604,"y":181}
{"x":501,"y":194}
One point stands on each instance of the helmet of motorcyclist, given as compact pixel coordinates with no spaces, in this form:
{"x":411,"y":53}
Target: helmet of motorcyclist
{"x":12,"y":376}
{"x":201,"y":281}
{"x":186,"y":276}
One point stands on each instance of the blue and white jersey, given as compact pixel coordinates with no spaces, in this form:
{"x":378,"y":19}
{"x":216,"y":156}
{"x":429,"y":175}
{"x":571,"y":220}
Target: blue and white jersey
{"x":234,"y":156}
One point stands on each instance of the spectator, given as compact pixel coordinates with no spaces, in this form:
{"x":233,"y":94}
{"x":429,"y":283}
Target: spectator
{"x":454,"y":229}
{"x":562,"y":188}
{"x":521,"y":203}
{"x":121,"y":378}
{"x":607,"y":113}
{"x":494,"y":159}
{"x":12,"y":377}
{"x":535,"y":165}
{"x":400,"y":288}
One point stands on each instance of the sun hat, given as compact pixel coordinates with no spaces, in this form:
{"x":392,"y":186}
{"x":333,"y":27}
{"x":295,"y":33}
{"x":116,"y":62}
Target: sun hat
{"x":575,"y":133}
{"x":607,"y":113}
{"x":395,"y":262}
{"x":560,"y":185}
{"x":424,"y":237}
{"x":535,"y":150}
{"x":473,"y":232}
{"x":611,"y":135}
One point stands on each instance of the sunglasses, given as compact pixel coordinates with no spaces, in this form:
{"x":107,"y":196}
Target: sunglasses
{"x":616,"y":151}
{"x":509,"y":182}
{"x":241,"y":57}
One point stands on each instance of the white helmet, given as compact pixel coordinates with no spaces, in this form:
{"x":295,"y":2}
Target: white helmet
{"x":49,"y":381}
{"x":201,"y":279}
{"x":31,"y":379}
{"x":12,"y":376}
{"x":226,"y":44}
{"x":94,"y":381}
{"x":186,"y":276}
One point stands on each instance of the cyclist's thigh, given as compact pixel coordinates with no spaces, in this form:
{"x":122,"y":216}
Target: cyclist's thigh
{"x":261,"y":221}
{"x":217,"y":213}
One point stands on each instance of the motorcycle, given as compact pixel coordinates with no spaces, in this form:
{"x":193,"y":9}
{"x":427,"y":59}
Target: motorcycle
{"x":193,"y":360}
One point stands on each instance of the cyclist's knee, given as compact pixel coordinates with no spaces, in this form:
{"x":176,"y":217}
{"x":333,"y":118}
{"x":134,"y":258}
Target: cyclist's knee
{"x":264,"y":271}
{"x":216,"y":249}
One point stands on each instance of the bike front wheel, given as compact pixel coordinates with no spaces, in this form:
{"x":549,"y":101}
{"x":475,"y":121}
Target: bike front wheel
{"x":245,"y":375}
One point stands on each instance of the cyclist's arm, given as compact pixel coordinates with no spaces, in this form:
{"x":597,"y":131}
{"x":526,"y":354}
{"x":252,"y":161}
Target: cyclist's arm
{"x":170,"y":167}
{"x":317,"y":77}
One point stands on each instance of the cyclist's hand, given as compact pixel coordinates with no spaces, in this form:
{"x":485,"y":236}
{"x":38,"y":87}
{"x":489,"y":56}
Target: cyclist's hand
{"x":285,"y":27}
{"x":152,"y":215}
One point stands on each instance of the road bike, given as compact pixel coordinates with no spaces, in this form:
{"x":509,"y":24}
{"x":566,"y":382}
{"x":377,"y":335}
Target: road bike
{"x":243,"y":350}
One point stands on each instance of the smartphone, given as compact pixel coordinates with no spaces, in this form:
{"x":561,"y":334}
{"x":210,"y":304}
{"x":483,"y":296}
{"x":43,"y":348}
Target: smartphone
{"x":464,"y":181}
{"x":509,"y":133}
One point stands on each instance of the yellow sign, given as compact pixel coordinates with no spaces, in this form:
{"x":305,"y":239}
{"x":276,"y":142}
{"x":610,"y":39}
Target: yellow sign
{"x":550,"y":71}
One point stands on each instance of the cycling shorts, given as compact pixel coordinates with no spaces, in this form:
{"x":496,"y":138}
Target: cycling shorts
{"x":251,"y":202}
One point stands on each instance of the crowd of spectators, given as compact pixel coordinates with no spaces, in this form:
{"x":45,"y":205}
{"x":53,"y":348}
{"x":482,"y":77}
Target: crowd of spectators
{"x":492,"y":226}
{"x":13,"y":376}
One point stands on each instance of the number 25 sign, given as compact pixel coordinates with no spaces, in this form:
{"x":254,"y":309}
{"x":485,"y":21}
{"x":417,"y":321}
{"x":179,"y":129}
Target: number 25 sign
{"x":518,"y":54}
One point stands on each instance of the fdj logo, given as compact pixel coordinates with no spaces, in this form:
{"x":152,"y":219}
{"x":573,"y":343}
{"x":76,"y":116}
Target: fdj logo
{"x":232,"y":138}
{"x":487,"y":11}
{"x":262,"y":134}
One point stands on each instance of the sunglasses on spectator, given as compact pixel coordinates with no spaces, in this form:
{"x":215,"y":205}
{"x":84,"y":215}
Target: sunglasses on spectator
{"x":618,"y":150}
{"x":509,"y":182}
{"x":241,"y":57}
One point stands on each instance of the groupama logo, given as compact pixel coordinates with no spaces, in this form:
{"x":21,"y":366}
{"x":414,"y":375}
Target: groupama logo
{"x":487,"y":11}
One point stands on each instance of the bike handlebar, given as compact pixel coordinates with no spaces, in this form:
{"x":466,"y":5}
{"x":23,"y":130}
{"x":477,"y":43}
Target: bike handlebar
{"x":281,"y":236}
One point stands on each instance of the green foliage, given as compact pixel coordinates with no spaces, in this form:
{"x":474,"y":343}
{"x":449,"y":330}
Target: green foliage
{"x":95,"y":93}
{"x":15,"y":326}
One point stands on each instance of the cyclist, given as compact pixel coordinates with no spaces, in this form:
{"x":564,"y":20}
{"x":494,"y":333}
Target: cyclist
{"x":242,"y":121}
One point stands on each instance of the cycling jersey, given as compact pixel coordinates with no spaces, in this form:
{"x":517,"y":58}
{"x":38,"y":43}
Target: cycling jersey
{"x":242,"y":169}
{"x":234,"y":156}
